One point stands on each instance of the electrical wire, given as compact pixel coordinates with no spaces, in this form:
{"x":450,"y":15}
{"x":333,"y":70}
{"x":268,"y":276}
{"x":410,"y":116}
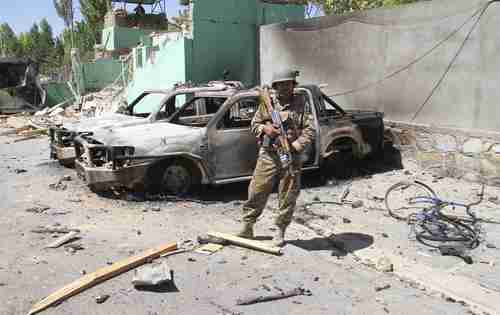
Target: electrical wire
{"x":415,"y":61}
{"x":452,"y":61}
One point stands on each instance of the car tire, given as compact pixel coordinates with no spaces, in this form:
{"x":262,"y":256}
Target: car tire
{"x":177,"y":178}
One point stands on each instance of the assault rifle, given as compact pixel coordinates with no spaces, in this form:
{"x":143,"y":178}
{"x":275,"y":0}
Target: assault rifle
{"x":284,"y":151}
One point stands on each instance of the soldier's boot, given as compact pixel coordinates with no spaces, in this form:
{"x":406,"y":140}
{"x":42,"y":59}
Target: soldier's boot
{"x":279,"y":238}
{"x":246,"y":230}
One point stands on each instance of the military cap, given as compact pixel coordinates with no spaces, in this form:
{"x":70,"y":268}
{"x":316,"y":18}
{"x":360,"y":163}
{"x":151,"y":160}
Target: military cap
{"x":285,"y":76}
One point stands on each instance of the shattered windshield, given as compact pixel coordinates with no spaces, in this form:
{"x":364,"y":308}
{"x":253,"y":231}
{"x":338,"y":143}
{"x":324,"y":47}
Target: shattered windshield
{"x":147,"y":103}
{"x":198,"y":111}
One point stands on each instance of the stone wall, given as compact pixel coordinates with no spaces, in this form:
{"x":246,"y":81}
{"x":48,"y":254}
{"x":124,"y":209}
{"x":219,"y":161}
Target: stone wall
{"x":473,"y":155}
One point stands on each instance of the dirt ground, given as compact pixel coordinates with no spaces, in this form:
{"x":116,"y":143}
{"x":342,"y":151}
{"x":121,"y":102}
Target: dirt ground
{"x":341,"y":281}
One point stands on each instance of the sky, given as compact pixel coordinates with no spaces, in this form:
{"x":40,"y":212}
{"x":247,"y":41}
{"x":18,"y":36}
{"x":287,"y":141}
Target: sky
{"x":21,"y":14}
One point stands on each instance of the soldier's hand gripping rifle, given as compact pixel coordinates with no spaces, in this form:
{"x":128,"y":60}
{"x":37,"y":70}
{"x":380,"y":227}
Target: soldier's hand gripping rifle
{"x":284,"y":151}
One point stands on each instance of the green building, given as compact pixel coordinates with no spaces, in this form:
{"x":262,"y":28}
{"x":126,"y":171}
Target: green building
{"x":223,"y":37}
{"x":214,"y":37}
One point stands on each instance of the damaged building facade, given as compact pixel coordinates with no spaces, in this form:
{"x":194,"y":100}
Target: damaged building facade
{"x":20,"y":88}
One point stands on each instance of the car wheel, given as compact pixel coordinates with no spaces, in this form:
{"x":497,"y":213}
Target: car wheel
{"x":178,"y":178}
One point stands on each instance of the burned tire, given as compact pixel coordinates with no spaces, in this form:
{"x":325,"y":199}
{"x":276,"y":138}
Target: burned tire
{"x":175,"y":177}
{"x":342,"y":165}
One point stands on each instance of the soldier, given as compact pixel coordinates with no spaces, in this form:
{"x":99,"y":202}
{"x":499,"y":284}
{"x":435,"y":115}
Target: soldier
{"x":299,"y":126}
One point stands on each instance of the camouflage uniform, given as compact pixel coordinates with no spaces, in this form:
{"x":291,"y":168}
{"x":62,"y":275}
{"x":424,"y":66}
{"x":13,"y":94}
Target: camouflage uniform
{"x":301,"y":132}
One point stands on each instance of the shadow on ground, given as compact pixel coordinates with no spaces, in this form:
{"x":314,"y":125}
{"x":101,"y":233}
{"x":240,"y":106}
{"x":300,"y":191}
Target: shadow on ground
{"x":340,"y":244}
{"x":390,"y":160}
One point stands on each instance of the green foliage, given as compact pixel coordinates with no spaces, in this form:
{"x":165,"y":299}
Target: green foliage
{"x":94,"y":12}
{"x":64,"y":9}
{"x":344,"y":6}
{"x":9,"y":43}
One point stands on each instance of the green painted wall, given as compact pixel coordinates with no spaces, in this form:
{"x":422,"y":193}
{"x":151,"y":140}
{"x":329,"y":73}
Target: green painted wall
{"x":225,"y":37}
{"x":168,"y":67}
{"x":101,"y":73}
{"x":114,"y":38}
{"x":57,"y":93}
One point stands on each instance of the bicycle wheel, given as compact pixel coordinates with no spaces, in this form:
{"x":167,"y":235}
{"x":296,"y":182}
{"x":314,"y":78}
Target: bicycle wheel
{"x":441,"y":230}
{"x":398,"y":196}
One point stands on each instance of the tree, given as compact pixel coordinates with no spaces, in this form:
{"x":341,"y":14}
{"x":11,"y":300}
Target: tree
{"x":46,"y":43}
{"x":64,"y":9}
{"x":343,"y":6}
{"x":9,"y":43}
{"x":94,"y":12}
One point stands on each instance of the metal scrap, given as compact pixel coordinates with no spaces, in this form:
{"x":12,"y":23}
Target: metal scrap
{"x":272,"y":297}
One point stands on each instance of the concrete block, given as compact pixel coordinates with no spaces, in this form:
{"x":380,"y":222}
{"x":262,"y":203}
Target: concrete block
{"x":425,"y":143}
{"x":445,"y":143}
{"x":472,"y":147}
{"x":468,"y":164}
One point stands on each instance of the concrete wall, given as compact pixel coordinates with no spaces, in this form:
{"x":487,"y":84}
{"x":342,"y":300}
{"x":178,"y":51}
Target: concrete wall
{"x":57,"y":93}
{"x":101,"y":73}
{"x":114,"y":38}
{"x":360,"y":51}
{"x":163,"y":69}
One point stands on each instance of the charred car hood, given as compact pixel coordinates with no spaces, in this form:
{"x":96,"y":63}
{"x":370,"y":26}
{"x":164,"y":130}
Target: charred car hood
{"x":110,"y":120}
{"x":152,"y":139}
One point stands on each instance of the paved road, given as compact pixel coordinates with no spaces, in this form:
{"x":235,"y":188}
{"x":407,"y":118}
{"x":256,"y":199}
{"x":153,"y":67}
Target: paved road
{"x":113,"y":229}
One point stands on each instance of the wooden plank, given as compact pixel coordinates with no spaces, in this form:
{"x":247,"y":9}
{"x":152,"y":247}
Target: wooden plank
{"x":101,"y":275}
{"x":63,"y":240}
{"x":36,"y":132}
{"x":26,"y":138}
{"x":240,"y":241}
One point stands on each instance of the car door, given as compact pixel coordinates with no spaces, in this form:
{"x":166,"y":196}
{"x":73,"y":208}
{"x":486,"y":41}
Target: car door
{"x":232,"y":143}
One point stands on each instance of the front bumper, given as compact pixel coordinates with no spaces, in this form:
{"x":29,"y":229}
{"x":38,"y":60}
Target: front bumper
{"x":101,"y":178}
{"x":65,"y":155}
{"x":61,"y":145}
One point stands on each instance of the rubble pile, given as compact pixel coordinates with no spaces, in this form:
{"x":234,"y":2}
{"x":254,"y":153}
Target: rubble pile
{"x":105,"y":101}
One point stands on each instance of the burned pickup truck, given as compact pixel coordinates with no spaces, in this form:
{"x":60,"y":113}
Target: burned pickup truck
{"x":150,"y":106}
{"x":207,"y":142}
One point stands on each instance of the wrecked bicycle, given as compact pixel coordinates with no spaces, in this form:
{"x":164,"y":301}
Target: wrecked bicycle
{"x":424,"y":211}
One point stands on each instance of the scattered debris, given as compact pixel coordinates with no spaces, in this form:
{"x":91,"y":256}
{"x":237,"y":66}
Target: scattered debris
{"x":18,"y":122}
{"x":382,"y":287}
{"x":154,"y":274}
{"x":247,"y":243}
{"x":26,"y":138}
{"x":457,"y":251}
{"x":346,"y":220}
{"x":279,"y":296}
{"x":73,"y":247}
{"x":345,"y":193}
{"x":51,"y":230}
{"x":357,"y":204}
{"x":209,"y":248}
{"x":206,"y":239}
{"x":101,"y":298}
{"x":384,"y":264}
{"x":38,"y":209}
{"x":71,"y":236}
{"x":100,"y":275}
